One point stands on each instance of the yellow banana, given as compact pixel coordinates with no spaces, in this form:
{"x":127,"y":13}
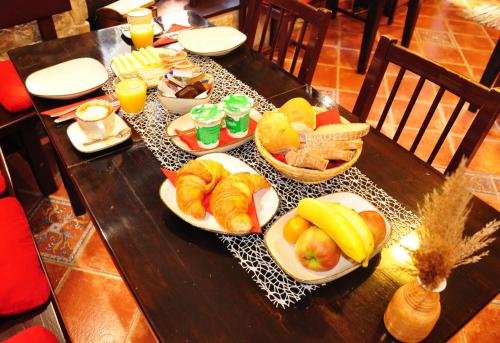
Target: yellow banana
{"x":359,"y":225}
{"x":334,"y":225}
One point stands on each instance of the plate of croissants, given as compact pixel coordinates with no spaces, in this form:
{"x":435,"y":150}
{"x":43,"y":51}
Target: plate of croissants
{"x":222,"y":194}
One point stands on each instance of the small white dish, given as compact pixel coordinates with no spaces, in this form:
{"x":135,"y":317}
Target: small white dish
{"x":78,"y":137}
{"x":67,"y":80}
{"x":211,"y":41}
{"x":284,"y":253}
{"x":157,"y":30}
{"x":181,"y":105}
{"x":266,"y":200}
{"x":185,"y":123}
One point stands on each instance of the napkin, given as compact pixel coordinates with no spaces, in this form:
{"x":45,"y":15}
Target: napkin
{"x":324,"y":118}
{"x":252,"y":212}
{"x":167,"y":40}
{"x":62,"y":108}
{"x":225,"y":139}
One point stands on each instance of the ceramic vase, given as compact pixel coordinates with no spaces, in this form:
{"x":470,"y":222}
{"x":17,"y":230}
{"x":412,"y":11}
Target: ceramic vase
{"x":413,"y":311}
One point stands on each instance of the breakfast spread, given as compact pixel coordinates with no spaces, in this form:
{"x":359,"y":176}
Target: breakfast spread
{"x":208,"y":121}
{"x":237,"y":108}
{"x":323,"y":231}
{"x":230,"y":194}
{"x":292,"y":130}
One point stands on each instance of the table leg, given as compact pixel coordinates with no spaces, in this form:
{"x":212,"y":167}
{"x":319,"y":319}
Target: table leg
{"x":36,"y":158}
{"x":332,"y":5}
{"x":74,"y":198}
{"x":370,"y":31}
{"x":411,"y":21}
{"x":491,"y":73}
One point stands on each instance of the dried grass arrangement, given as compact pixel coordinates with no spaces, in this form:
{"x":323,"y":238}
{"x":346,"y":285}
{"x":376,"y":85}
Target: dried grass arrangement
{"x":442,"y":246}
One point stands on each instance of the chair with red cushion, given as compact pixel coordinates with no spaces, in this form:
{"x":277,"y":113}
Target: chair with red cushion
{"x":25,"y":294}
{"x":18,"y":120}
{"x":34,"y":334}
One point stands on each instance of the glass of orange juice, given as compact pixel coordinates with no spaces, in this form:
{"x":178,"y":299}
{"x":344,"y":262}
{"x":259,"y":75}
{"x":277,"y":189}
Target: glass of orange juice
{"x":132,"y":95}
{"x":140,"y":22}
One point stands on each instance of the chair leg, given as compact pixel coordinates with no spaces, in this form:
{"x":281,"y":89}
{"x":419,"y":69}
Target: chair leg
{"x":411,"y":21}
{"x":491,"y":71}
{"x":370,"y":31}
{"x":392,"y":10}
{"x":333,"y":6}
{"x":74,"y":198}
{"x":37,"y":159}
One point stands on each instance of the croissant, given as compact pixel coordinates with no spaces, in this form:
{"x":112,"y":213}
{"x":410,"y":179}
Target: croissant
{"x":231,"y":198}
{"x":194,"y":181}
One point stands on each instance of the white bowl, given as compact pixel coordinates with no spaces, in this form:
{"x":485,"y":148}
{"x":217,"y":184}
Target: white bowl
{"x":180,"y":105}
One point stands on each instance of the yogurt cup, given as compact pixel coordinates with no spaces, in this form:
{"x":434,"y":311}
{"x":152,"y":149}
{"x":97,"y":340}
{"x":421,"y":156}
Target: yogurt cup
{"x":207,"y":119}
{"x":237,"y":108}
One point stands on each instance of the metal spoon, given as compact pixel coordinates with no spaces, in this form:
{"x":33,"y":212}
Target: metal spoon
{"x":119,"y":134}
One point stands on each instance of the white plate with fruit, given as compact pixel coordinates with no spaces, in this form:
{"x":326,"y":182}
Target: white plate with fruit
{"x":328,"y":237}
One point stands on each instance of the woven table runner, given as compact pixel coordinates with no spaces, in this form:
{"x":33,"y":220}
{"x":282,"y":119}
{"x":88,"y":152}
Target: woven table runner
{"x":250,"y":250}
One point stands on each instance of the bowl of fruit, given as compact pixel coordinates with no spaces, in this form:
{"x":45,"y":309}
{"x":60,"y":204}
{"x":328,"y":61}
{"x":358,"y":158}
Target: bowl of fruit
{"x":309,"y":144}
{"x":328,"y":237}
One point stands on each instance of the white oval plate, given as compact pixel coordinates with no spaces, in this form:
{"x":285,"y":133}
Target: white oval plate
{"x":77,"y":137}
{"x":67,"y":80}
{"x":185,"y":123}
{"x":266,"y":200}
{"x":284,"y":253}
{"x":211,"y":41}
{"x":157,"y":30}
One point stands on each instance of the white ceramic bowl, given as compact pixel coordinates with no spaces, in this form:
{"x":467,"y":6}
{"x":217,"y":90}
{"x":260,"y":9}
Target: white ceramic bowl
{"x":180,"y":105}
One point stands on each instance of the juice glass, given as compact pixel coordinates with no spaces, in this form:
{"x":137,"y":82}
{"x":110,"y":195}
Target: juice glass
{"x":131,"y":94}
{"x":140,"y":22}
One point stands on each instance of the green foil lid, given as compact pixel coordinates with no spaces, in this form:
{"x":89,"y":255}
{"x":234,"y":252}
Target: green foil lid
{"x":237,"y":103}
{"x":207,"y":113}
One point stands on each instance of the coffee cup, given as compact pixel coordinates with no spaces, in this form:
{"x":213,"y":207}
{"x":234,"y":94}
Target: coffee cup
{"x":96,"y":118}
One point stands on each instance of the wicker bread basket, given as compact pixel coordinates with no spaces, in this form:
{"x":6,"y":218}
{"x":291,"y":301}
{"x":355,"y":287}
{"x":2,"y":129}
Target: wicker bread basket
{"x":302,"y":174}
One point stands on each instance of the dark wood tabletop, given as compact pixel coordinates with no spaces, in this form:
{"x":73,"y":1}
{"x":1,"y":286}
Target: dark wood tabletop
{"x":188,"y":285}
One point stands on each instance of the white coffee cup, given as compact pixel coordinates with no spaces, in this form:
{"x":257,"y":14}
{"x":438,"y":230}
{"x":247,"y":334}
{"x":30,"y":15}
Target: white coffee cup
{"x":96,"y":118}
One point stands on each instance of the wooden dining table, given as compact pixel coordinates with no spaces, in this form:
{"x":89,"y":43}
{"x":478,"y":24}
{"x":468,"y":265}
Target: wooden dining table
{"x":188,"y":285}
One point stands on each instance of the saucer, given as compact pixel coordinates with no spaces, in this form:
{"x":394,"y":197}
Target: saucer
{"x":78,"y":137}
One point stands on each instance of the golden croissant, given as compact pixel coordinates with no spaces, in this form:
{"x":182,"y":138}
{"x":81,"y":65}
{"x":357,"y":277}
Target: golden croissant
{"x":231,"y":198}
{"x":194,"y":181}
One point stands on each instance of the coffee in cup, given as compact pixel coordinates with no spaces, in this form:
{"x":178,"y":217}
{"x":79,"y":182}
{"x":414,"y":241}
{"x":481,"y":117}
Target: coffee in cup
{"x":96,"y":118}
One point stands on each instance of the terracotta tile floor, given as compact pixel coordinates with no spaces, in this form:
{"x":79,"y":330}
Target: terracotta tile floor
{"x":96,"y":304}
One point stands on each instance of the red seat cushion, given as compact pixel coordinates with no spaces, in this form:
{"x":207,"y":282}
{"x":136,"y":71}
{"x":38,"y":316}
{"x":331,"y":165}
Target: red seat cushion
{"x":35,"y":334}
{"x":23,"y":284}
{"x":2,"y":184}
{"x":13,"y":94}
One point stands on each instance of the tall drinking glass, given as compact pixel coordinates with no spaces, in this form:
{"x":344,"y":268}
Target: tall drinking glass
{"x":132,"y":94}
{"x":140,"y":22}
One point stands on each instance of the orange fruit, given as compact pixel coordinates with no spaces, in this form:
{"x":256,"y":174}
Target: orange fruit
{"x":294,"y":228}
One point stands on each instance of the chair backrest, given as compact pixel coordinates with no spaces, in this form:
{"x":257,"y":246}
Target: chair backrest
{"x":281,"y":17}
{"x":15,"y":13}
{"x":487,"y":100}
{"x":4,"y":172}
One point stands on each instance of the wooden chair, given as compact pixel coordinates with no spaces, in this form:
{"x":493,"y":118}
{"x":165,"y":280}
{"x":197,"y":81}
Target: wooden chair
{"x":285,"y":15}
{"x":372,"y":22}
{"x":47,"y":315}
{"x":212,"y":8}
{"x":488,"y":100}
{"x":23,"y":126}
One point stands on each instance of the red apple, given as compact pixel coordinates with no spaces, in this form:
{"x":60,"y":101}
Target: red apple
{"x":316,"y":250}
{"x":376,"y":224}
